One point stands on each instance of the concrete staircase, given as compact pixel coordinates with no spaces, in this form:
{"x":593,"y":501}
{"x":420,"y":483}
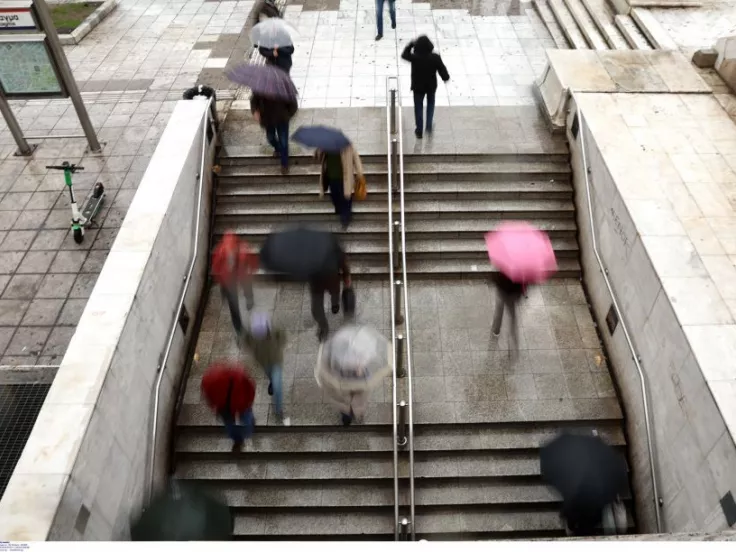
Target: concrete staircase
{"x":595,"y":24}
{"x":318,"y":481}
{"x":451,"y":201}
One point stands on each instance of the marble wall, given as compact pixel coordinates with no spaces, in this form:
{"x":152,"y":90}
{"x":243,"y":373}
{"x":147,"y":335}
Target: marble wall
{"x":84,"y":469}
{"x":644,"y":249}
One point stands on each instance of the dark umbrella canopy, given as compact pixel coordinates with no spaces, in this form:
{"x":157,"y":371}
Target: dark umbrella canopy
{"x":301,"y":253}
{"x":587,"y":472}
{"x":265,"y":80}
{"x":321,"y":137}
{"x":183,"y":513}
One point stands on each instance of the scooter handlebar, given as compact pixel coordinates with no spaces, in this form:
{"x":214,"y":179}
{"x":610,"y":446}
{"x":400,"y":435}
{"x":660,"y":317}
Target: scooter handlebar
{"x":72,"y":168}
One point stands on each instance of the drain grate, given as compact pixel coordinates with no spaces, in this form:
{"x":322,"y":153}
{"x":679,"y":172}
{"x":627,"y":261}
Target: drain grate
{"x":20,"y":404}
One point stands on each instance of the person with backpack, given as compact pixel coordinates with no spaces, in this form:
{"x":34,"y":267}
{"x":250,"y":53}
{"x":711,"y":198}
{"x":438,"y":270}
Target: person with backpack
{"x":233,"y":266}
{"x":425,"y":65}
{"x":267,"y":343}
{"x":230,"y":392}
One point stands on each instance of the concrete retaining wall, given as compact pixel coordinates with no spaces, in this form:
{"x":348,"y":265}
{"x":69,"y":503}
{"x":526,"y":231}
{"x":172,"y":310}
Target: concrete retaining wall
{"x":84,"y":469}
{"x":696,"y":454}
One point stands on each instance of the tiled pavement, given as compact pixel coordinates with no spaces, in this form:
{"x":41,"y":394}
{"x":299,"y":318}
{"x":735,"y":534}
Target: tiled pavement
{"x":456,"y":360}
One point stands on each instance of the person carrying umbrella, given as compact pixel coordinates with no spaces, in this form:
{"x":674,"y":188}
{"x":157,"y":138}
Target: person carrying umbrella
{"x":425,"y":65}
{"x":354,"y":361}
{"x":274,"y":116}
{"x":230,"y":392}
{"x":590,"y":475}
{"x":267,"y":342}
{"x":233,"y":266}
{"x":266,"y":9}
{"x":274,"y":40}
{"x":328,"y":282}
{"x":341,"y":166}
{"x":523,"y":255}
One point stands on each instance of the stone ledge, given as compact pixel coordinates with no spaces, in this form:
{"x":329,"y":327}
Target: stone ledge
{"x":93,"y":19}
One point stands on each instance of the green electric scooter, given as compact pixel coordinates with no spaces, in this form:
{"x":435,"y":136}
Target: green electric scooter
{"x":92,"y":204}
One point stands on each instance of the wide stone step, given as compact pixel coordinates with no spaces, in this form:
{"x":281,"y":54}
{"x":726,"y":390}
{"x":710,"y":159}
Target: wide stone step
{"x":426,"y":438}
{"x":555,"y":150}
{"x":378,"y":228}
{"x":375,"y":206}
{"x":568,"y":24}
{"x":425,"y":170}
{"x":586,"y":24}
{"x":631,"y":32}
{"x":602,"y":14}
{"x":548,"y":19}
{"x":308,"y":190}
{"x":508,"y":411}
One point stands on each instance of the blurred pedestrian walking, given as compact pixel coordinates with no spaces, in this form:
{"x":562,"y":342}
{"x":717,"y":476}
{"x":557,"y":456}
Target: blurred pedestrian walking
{"x":328,"y":282}
{"x":425,"y":65}
{"x":591,"y":476}
{"x":523,"y":255}
{"x":279,"y":57}
{"x":267,"y":342}
{"x":230,"y":392}
{"x":274,"y":116}
{"x":233,"y":267}
{"x":264,"y":10}
{"x":379,"y":16}
{"x":274,"y":39}
{"x":354,"y":361}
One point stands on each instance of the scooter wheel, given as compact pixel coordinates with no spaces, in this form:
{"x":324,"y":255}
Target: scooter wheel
{"x":78,"y":235}
{"x":98,"y":191}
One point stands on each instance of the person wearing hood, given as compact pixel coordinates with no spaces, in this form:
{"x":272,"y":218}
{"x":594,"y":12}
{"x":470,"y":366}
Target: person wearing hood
{"x":279,"y":57}
{"x":379,"y":16}
{"x":425,"y":65}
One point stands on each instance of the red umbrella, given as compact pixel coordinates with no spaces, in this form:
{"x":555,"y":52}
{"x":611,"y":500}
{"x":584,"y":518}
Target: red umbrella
{"x":521,"y":252}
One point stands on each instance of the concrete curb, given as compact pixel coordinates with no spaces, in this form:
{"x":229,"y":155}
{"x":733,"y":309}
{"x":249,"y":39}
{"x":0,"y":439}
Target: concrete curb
{"x":93,"y":19}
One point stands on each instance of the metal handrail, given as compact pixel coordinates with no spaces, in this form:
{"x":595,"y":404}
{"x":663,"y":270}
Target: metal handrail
{"x":390,"y":114}
{"x":629,"y":342}
{"x":161,"y":369}
{"x":407,"y":317}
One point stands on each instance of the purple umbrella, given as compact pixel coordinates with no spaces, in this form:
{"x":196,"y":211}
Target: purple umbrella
{"x":265,"y":80}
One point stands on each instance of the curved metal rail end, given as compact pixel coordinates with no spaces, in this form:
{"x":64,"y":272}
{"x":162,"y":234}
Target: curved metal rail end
{"x":642,"y":376}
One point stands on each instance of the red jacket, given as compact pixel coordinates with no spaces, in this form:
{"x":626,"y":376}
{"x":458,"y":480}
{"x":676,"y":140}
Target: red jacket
{"x":222,"y":379}
{"x":232,"y":260}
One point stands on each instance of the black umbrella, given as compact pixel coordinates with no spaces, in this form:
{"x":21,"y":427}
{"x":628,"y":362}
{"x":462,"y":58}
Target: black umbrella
{"x":588,"y":473}
{"x":183,"y":513}
{"x":301,"y":253}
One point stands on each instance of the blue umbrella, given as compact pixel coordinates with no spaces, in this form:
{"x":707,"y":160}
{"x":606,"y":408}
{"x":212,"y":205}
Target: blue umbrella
{"x":265,"y":80}
{"x":321,"y":137}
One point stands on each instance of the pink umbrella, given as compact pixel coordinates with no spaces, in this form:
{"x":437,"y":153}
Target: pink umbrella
{"x":521,"y":252}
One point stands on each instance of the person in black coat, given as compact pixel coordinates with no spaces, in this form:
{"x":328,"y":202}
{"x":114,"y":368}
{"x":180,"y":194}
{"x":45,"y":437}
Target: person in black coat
{"x":425,"y":65}
{"x":274,"y":116}
{"x":280,"y":57}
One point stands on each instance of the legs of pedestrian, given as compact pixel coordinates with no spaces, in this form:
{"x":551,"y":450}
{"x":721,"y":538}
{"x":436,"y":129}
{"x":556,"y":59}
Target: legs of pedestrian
{"x":498,"y":313}
{"x":514,"y":344}
{"x":392,"y":12}
{"x":343,"y":207}
{"x":430,"y":111}
{"x":231,"y":296}
{"x":248,"y":292}
{"x":282,"y":136}
{"x":418,"y":113}
{"x":318,"y":313}
{"x":239,"y":433}
{"x":248,"y":421}
{"x":379,"y":18}
{"x":347,"y":419}
{"x":275,"y":388}
{"x":335,"y":299}
{"x":271,"y":137}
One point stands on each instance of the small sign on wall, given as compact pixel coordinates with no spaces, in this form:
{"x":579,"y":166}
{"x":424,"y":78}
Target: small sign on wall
{"x":17,"y":16}
{"x":612,"y":320}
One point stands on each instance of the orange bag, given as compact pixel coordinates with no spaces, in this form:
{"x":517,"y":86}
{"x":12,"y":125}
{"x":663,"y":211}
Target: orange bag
{"x":361,"y":191}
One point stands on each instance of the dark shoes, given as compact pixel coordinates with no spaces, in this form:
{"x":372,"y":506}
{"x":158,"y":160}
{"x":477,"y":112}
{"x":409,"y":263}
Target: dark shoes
{"x":347,"y":420}
{"x":237,"y":447}
{"x":393,"y":25}
{"x":322,"y":334}
{"x":418,"y":134}
{"x":335,"y":309}
{"x":379,"y":37}
{"x":284,"y":170}
{"x":270,"y":389}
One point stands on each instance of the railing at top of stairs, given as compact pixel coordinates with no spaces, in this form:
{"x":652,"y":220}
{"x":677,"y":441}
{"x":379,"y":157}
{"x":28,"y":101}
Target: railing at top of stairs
{"x":403,"y":428}
{"x":637,"y":360}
